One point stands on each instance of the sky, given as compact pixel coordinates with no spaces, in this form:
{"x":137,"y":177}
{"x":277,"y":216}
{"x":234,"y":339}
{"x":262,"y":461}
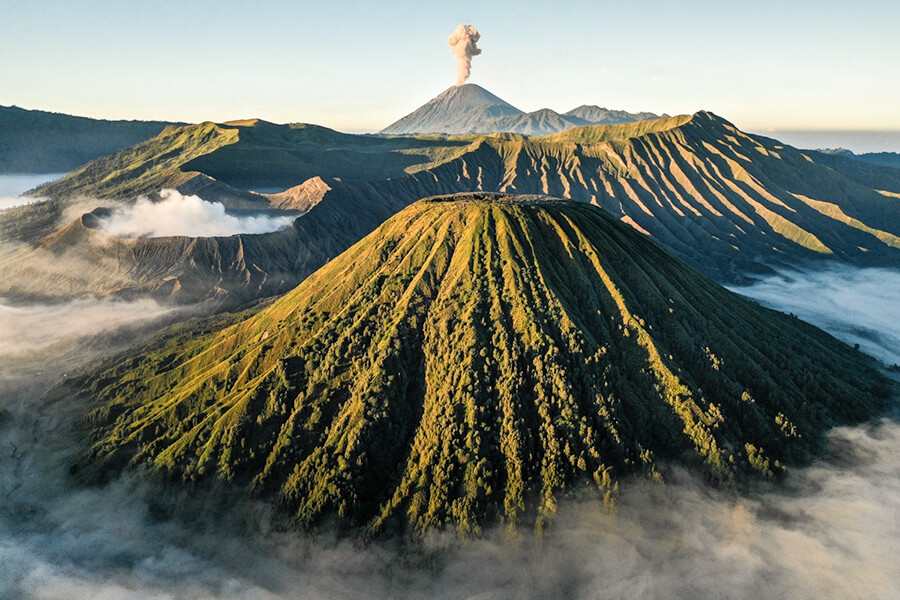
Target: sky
{"x":358,"y":66}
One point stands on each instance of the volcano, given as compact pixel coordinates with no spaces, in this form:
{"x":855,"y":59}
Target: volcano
{"x":472,"y":360}
{"x":459,"y":109}
{"x":470,"y":108}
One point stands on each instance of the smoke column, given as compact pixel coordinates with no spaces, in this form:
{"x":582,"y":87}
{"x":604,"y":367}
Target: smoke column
{"x":462,"y":43}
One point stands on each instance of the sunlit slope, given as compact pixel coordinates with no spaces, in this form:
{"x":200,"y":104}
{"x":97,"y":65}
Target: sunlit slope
{"x":469,"y":362}
{"x":249,"y":154}
{"x":144,"y":168}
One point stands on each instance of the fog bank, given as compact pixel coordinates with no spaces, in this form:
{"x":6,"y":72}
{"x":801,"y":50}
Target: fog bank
{"x":859,"y":306}
{"x":12,"y":186}
{"x":31,"y":328}
{"x":177,"y":214}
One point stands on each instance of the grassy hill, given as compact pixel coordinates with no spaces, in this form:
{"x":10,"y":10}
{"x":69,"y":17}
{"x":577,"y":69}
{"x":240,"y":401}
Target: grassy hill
{"x":471,"y":361}
{"x":249,"y":154}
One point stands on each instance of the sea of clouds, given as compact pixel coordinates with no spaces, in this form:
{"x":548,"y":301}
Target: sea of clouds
{"x":859,"y":306}
{"x":831,"y":531}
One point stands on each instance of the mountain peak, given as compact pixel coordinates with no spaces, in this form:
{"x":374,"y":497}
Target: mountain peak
{"x":458,"y":109}
{"x":598,"y":115}
{"x":471,"y":94}
{"x":469,"y":108}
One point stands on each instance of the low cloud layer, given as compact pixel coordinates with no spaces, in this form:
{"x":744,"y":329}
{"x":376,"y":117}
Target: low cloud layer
{"x":831,"y":531}
{"x":859,"y":306}
{"x":12,"y":186}
{"x":15,"y":185}
{"x":27,"y":329}
{"x":11,"y":201}
{"x":177,"y":214}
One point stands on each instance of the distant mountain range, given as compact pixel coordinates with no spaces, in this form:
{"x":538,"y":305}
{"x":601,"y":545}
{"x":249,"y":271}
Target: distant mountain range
{"x":35,"y":141}
{"x":470,"y":362}
{"x":469,"y":108}
{"x":884,"y":159}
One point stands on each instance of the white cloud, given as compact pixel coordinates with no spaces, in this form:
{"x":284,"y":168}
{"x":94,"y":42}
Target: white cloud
{"x":859,"y":306}
{"x":10,"y":202}
{"x":12,"y":185}
{"x":31,"y":328}
{"x":192,"y":216}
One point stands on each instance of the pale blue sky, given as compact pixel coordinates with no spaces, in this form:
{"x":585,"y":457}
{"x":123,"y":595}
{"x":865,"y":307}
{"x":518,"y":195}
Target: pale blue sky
{"x":357,"y":66}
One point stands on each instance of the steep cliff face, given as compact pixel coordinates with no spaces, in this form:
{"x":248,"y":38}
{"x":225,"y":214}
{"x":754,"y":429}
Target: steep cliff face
{"x":471,"y":360}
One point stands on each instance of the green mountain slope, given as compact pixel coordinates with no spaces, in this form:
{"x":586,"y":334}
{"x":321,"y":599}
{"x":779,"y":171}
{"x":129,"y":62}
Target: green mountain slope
{"x":250,"y":154}
{"x":35,"y":141}
{"x":471,"y":361}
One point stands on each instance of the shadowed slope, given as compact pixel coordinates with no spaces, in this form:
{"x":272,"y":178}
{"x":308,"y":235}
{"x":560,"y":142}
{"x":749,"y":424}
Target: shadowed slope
{"x":36,"y":141}
{"x":470,"y":361}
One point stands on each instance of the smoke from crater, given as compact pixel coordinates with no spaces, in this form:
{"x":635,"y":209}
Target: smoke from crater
{"x":463,"y":42}
{"x":177,"y":214}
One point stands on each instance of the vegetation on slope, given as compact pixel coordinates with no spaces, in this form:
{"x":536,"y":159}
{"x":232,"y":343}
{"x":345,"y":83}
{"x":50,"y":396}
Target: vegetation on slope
{"x":594,"y":134}
{"x":471,"y":361}
{"x":148,"y":167}
{"x":250,"y":154}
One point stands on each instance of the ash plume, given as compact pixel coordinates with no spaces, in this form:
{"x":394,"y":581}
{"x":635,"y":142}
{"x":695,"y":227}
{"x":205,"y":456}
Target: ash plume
{"x":463,"y":42}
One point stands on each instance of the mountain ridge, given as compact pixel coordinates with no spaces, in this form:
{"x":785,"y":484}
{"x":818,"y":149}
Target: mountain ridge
{"x":36,"y":141}
{"x":730,"y":203}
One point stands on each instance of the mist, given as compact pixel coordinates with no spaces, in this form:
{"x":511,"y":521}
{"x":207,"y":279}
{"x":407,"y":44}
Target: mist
{"x":829,"y":531}
{"x":26,"y":329}
{"x":177,"y":214}
{"x":12,"y":186}
{"x":858,"y":306}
